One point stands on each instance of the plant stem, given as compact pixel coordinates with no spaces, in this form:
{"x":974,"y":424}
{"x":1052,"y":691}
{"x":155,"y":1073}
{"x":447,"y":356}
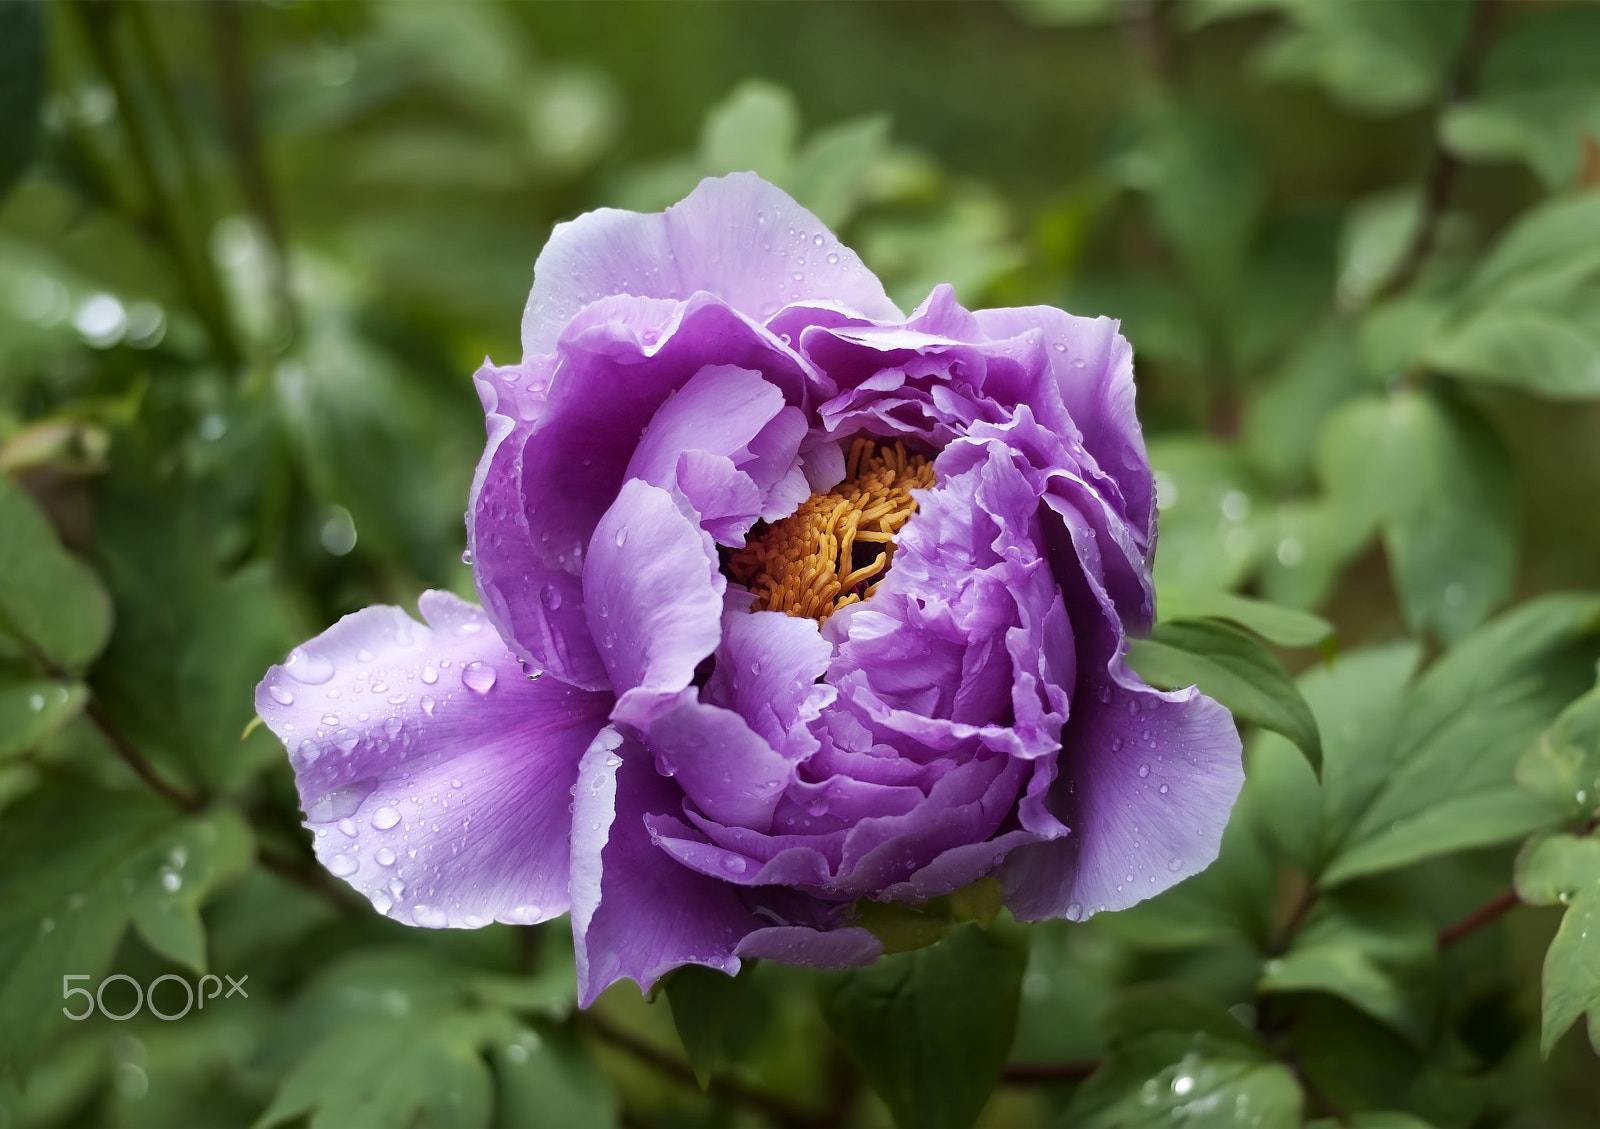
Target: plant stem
{"x":1048,"y":1073}
{"x":780,"y":1110}
{"x":194,"y":273}
{"x":1443,"y":166}
{"x":1485,"y":914}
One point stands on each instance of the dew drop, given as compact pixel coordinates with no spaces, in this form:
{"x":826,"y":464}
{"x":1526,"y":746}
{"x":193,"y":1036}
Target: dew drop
{"x":279,"y":694}
{"x":1164,"y":789}
{"x":1144,"y":770}
{"x":308,"y":667}
{"x":330,"y":719}
{"x":1075,"y":911}
{"x":384,"y":856}
{"x":348,"y":826}
{"x":342,"y":865}
{"x":622,"y":536}
{"x":478,"y":677}
{"x":427,"y":706}
{"x":364,"y":655}
{"x":466,"y":557}
{"x":385,"y":818}
{"x":1174,"y":864}
{"x":550,"y":598}
{"x":430,"y":675}
{"x":734,"y":864}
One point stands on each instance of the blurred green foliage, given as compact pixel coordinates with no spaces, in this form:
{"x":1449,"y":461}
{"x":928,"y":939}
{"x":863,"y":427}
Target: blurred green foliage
{"x":250,"y":254}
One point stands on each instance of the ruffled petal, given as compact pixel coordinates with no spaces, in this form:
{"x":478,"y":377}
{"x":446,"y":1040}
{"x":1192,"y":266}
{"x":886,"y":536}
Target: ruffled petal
{"x":850,"y":947}
{"x":725,"y":439}
{"x":653,"y":597}
{"x":1153,"y":777}
{"x":636,"y":913}
{"x":735,"y":236}
{"x":529,"y":586}
{"x":433,"y":771}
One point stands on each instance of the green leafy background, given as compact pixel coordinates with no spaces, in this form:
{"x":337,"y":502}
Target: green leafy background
{"x":250,"y":254}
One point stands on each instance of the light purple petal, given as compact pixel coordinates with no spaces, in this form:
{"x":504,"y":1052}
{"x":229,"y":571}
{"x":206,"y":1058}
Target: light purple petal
{"x":636,"y":913}
{"x":726,"y":440}
{"x":433,"y":771}
{"x":653,"y":597}
{"x":530,"y":588}
{"x":1153,"y":778}
{"x":849,"y":947}
{"x":1092,"y":364}
{"x":736,"y":236}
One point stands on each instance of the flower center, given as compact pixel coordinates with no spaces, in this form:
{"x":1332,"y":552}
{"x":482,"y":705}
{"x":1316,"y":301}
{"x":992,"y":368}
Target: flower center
{"x":836,"y":548}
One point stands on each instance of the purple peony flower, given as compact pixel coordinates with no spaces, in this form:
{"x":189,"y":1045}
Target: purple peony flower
{"x":789,"y":600}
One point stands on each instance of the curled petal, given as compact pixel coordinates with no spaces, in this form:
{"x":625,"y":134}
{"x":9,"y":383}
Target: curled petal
{"x":637,"y":913}
{"x":433,"y":772}
{"x":734,"y":236}
{"x":653,"y":596}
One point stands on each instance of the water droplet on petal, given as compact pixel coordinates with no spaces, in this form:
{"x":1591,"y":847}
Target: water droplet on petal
{"x":384,"y":856}
{"x":1174,"y":864}
{"x":1144,"y":770}
{"x":550,"y":597}
{"x":308,"y":667}
{"x":478,"y":677}
{"x":430,"y":674}
{"x":622,"y":536}
{"x":343,"y":865}
{"x":280,"y":695}
{"x":734,"y":864}
{"x":330,"y":719}
{"x":1075,"y":911}
{"x":364,"y":655}
{"x":348,"y":826}
{"x":427,"y":706}
{"x":466,"y":556}
{"x":385,"y":818}
{"x":1163,"y":789}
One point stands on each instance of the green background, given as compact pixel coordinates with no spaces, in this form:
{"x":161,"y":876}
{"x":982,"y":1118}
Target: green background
{"x":251,"y":253}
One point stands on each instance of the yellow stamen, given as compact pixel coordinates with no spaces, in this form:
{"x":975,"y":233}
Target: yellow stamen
{"x":804,"y":564}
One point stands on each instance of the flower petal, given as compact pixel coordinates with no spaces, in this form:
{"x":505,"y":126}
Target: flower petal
{"x":653,"y":597}
{"x":636,"y":913}
{"x":735,"y":236}
{"x":850,"y":947}
{"x":433,"y":772}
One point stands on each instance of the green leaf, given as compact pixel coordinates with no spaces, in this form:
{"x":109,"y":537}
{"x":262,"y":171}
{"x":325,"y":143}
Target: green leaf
{"x":1287,"y":627}
{"x":1202,"y":176}
{"x":1565,"y":870}
{"x":1177,"y":1058}
{"x":1373,"y":1119}
{"x":1537,"y":98}
{"x":1231,"y":667}
{"x":717,"y":1016}
{"x":180,"y":674}
{"x":1281,"y":423}
{"x":49,"y":600}
{"x":1563,"y":767}
{"x":1530,"y":314}
{"x":390,"y":1039}
{"x":1376,"y":56}
{"x":78,"y":864}
{"x":831,"y":173}
{"x":1215,"y":517}
{"x":1358,"y":700}
{"x":32,"y":709}
{"x":1450,"y":784}
{"x":1438,"y":483}
{"x":931,"y":1029}
{"x":1376,"y":953}
{"x":755,"y":128}
{"x":546,"y":1079}
{"x":22,"y":76}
